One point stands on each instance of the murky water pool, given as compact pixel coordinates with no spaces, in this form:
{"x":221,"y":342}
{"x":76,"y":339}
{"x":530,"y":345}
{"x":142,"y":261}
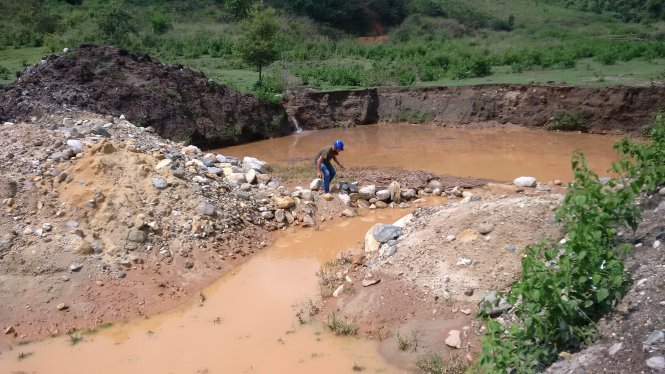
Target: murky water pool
{"x":247,"y":323}
{"x":496,"y":153}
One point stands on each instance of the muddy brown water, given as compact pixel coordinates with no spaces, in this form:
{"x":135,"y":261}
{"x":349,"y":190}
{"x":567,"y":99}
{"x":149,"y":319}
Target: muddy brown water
{"x":494,"y":153}
{"x":247,"y":323}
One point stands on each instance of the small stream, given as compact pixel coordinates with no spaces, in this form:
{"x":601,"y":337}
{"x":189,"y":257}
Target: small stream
{"x":248,"y":322}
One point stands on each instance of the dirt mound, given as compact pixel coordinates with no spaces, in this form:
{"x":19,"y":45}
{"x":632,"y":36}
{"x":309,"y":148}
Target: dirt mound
{"x":179,"y":103}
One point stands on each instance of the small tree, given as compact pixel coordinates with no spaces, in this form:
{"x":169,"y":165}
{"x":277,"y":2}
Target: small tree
{"x":259,"y":43}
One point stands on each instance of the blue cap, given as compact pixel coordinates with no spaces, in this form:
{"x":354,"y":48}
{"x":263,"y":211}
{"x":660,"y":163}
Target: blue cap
{"x":339,"y":145}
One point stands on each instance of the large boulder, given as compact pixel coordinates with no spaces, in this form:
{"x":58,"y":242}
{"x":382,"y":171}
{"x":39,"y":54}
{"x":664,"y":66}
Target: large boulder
{"x":237,"y":178}
{"x":383,"y":195}
{"x":371,"y":244}
{"x":384,"y":233}
{"x":284,"y":202}
{"x":368,"y":192}
{"x":251,"y":163}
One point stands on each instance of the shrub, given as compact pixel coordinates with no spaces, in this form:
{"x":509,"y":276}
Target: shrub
{"x":565,"y":288}
{"x":568,"y":122}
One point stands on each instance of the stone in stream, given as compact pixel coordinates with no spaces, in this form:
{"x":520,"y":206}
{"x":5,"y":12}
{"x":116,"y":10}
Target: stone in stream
{"x":381,"y":205}
{"x":348,"y":213}
{"x":344,"y":199}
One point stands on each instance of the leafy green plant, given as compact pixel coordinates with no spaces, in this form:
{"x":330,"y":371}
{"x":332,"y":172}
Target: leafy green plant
{"x":565,"y":288}
{"x":564,"y":121}
{"x":75,"y":338}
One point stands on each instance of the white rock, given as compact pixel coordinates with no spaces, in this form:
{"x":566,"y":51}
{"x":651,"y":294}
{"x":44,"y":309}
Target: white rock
{"x":525,"y":182}
{"x":164,"y":163}
{"x":383,"y":195}
{"x":656,"y":363}
{"x":75,"y":145}
{"x":368,"y":192}
{"x":656,"y":244}
{"x":403,"y":221}
{"x":250,"y":175}
{"x":237,"y":178}
{"x":661,"y":192}
{"x":464,"y":261}
{"x":201,"y":180}
{"x":316,"y":184}
{"x":453,"y":340}
{"x":191,"y":150}
{"x":338,"y":291}
{"x":249,"y":163}
{"x":615,"y":348}
{"x":344,"y":199}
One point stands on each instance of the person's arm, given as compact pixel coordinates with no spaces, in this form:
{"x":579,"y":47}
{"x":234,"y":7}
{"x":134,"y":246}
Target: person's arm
{"x":340,"y":165}
{"x":318,"y":167}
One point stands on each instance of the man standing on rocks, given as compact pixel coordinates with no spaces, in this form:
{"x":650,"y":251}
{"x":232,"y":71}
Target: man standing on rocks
{"x":324,"y":166}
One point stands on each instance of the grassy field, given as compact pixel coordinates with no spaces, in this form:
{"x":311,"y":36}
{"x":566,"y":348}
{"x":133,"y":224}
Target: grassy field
{"x":474,"y":42}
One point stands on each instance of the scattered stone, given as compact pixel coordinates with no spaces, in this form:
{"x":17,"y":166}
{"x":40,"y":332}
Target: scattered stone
{"x":205,"y":209}
{"x":525,"y":182}
{"x":469,"y":291}
{"x":464,"y":261}
{"x":84,"y":248}
{"x":491,"y":305}
{"x":284,"y":202}
{"x":656,"y":244}
{"x":338,"y":291}
{"x":191,"y":150}
{"x":10,"y":330}
{"x":465,"y":311}
{"x":237,"y":178}
{"x":344,"y":199}
{"x":657,"y":336}
{"x":370,"y":281}
{"x":404,"y":206}
{"x":656,"y":363}
{"x":62,"y":306}
{"x":250,"y":176}
{"x":453,"y":340}
{"x":159,"y":183}
{"x":451,"y":238}
{"x":485,"y":229}
{"x":279,"y":215}
{"x":137,"y":236}
{"x":164,"y":163}
{"x":348,"y":213}
{"x":316,"y":184}
{"x":367,"y":192}
{"x":661,"y":192}
{"x":383,"y":195}
{"x":384,"y":233}
{"x":381,"y":204}
{"x":76,"y":146}
{"x":267,"y":215}
{"x":189,"y":265}
{"x":615,"y":348}
{"x":249,"y":163}
{"x":75,"y":267}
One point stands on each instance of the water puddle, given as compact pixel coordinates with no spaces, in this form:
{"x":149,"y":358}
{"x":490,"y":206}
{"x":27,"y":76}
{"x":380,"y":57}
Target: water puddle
{"x":497,"y":153}
{"x":247,"y":324}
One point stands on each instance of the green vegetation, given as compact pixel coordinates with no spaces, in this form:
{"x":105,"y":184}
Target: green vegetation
{"x":341,"y":326}
{"x":316,"y":43}
{"x":75,"y":338}
{"x":433,"y":363}
{"x":568,"y":122}
{"x":565,"y":288}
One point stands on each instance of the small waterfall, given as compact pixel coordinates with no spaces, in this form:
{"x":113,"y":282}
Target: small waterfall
{"x":296,"y":124}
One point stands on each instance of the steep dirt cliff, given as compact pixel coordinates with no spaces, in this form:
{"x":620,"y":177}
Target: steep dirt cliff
{"x":613,"y":109}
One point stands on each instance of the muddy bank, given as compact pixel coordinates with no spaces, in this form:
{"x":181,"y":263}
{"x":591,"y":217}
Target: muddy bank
{"x":612,"y":109}
{"x":178,"y":103}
